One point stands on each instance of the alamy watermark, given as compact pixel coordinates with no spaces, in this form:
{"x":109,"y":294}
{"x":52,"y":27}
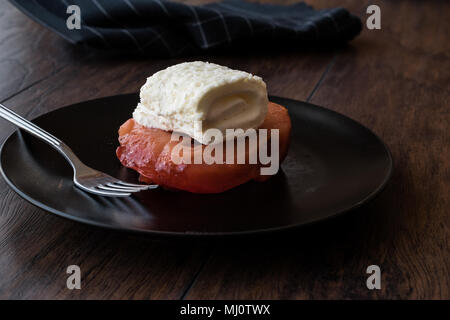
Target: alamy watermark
{"x":374,"y":280}
{"x":236,"y":146}
{"x":74,"y":280}
{"x":74,"y":20}
{"x":374,"y":20}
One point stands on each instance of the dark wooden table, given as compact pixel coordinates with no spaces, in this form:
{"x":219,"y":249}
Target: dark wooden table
{"x":394,"y":80}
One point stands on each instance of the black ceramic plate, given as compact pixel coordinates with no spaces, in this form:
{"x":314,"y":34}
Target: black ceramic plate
{"x":334,"y":164}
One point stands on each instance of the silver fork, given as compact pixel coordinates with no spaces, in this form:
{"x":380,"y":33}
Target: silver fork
{"x":84,"y":177}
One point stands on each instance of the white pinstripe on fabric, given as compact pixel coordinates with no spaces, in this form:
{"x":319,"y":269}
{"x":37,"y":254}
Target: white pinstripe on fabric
{"x":250,"y":26}
{"x":158,"y":36}
{"x":202,"y":32}
{"x":159,"y":2}
{"x":132,"y":7}
{"x":124,"y":31}
{"x":268,"y":19}
{"x":224,"y":25}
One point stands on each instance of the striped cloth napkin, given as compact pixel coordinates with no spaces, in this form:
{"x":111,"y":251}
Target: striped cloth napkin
{"x":170,"y":29}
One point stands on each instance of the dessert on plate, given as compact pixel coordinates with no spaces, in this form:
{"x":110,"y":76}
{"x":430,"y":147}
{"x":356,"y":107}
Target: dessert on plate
{"x":204,"y":128}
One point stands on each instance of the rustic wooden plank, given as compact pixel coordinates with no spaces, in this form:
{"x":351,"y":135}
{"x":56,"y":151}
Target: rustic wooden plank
{"x":28,"y":51}
{"x":404,"y":230}
{"x":396,"y":82}
{"x":37,"y":248}
{"x":115,"y":268}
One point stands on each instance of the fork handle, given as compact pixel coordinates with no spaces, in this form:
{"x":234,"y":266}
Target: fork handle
{"x":40,"y":133}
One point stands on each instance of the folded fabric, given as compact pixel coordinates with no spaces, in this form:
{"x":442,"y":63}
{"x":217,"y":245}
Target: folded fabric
{"x":163,"y":28}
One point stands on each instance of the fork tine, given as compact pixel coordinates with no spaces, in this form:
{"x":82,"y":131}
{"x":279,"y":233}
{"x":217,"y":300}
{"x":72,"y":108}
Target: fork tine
{"x":110,"y":193}
{"x":112,"y":188}
{"x":120,"y":186}
{"x":149,"y":186}
{"x":105,"y":193}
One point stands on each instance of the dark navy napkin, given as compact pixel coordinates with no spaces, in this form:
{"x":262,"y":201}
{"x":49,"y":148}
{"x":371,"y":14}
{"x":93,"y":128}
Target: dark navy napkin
{"x":163,"y":28}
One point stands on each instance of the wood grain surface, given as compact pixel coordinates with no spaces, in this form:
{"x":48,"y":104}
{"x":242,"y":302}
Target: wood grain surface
{"x":394,"y":80}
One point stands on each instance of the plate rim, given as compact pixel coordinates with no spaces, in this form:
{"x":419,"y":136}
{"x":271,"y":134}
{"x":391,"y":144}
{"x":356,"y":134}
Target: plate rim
{"x":61,"y":214}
